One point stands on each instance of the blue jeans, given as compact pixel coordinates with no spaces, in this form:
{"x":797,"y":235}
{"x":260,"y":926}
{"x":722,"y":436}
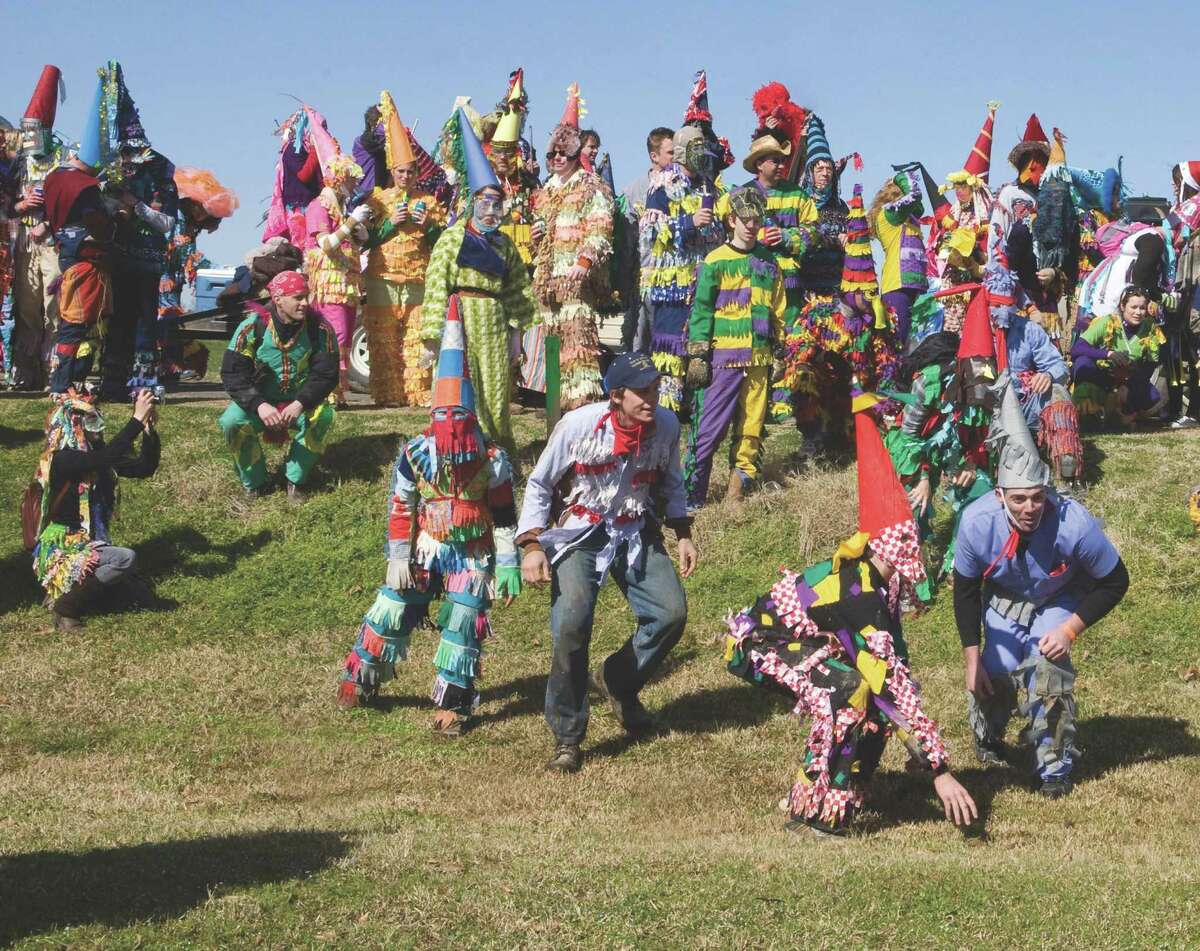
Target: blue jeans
{"x":657,"y":601}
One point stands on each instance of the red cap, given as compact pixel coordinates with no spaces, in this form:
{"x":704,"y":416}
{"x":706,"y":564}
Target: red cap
{"x":977,"y":338}
{"x":882,"y":501}
{"x":43,"y":105}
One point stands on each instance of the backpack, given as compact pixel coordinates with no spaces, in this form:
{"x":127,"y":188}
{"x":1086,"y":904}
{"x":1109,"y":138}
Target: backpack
{"x":31,"y":512}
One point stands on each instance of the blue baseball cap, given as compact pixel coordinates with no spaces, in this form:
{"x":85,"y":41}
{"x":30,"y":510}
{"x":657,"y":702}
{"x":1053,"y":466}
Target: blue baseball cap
{"x":633,"y":370}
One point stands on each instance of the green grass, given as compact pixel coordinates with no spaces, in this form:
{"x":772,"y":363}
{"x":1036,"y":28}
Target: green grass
{"x":180,"y":777}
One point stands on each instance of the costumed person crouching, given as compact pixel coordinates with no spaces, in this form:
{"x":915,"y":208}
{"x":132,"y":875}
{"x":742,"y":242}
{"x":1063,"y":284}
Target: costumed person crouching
{"x":1114,"y":363}
{"x":74,"y":560}
{"x":451,"y":527}
{"x":589,"y":513}
{"x":737,"y":318}
{"x":280,"y":369}
{"x":1035,"y":569}
{"x":477,"y":265}
{"x":677,"y":230}
{"x":572,"y":238}
{"x":830,"y":637}
{"x":946,"y":418}
{"x":408,"y":221}
{"x":334,"y":237}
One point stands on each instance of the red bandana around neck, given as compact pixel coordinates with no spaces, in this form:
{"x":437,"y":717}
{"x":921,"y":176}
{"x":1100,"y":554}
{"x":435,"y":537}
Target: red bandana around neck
{"x":627,"y":441}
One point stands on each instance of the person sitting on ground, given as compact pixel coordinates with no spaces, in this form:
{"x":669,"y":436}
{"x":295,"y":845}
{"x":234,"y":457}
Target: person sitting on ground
{"x":74,"y":560}
{"x":279,"y":369}
{"x":1114,"y":361}
{"x":589,"y":511}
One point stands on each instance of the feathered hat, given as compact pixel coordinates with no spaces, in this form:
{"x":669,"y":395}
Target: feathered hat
{"x":1034,"y":142}
{"x":774,"y":101}
{"x":974,"y":172}
{"x":452,"y":385}
{"x":1021,"y":465}
{"x":201,"y":186}
{"x":397,"y":145}
{"x":43,"y":104}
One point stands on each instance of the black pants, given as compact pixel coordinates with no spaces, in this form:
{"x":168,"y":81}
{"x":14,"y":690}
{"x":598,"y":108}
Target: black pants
{"x":131,"y":327}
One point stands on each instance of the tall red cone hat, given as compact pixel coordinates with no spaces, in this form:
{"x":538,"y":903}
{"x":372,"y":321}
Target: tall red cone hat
{"x":977,"y":339}
{"x":1034,"y":140}
{"x":572,"y":110}
{"x":882,"y":501}
{"x":979,"y":162}
{"x":43,"y":104}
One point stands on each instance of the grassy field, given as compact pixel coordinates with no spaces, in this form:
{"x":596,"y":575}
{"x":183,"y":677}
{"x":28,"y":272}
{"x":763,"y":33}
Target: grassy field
{"x":180,"y":776}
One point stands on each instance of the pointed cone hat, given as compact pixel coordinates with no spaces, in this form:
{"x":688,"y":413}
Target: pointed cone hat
{"x":697,"y":110}
{"x":452,"y":386}
{"x":480,"y":173}
{"x":573,"y":111}
{"x":323,"y":143}
{"x":977,"y":339}
{"x":92,"y":150}
{"x":1021,"y":465}
{"x":397,"y":144}
{"x":1034,"y":141}
{"x":130,"y":134}
{"x":979,"y":162}
{"x":858,"y":266}
{"x":816,"y":142}
{"x":882,"y":501}
{"x":43,"y":104}
{"x":604,"y":170}
{"x":508,"y":129}
{"x":516,"y":88}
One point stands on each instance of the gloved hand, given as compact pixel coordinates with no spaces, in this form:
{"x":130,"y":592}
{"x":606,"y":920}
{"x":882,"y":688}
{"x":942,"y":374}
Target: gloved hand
{"x":508,"y":582}
{"x":699,"y":373}
{"x":362,"y":215}
{"x":399,"y":574}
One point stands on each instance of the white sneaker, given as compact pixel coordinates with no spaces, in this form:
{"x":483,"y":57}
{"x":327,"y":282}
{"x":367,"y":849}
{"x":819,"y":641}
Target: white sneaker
{"x":1184,"y":422}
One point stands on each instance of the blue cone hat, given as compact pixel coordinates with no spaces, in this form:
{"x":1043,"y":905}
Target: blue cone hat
{"x":479,"y":169}
{"x":91,"y":145}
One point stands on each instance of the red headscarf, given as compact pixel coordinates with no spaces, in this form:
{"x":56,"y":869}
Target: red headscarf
{"x":288,"y":283}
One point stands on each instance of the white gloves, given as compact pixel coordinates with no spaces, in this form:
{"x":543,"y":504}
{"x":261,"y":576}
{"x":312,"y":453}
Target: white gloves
{"x":399,"y":574}
{"x":361,"y":214}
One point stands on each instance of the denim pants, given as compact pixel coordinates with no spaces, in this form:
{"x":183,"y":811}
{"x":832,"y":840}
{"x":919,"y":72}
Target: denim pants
{"x":114,"y":563}
{"x":658,"y":603}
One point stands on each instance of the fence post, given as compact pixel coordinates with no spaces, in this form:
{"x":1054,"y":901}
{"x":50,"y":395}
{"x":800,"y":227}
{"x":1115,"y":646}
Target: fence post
{"x":553,"y":382}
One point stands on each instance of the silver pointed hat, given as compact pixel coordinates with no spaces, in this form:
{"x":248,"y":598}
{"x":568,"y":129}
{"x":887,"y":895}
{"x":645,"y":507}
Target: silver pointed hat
{"x":1021,"y":465}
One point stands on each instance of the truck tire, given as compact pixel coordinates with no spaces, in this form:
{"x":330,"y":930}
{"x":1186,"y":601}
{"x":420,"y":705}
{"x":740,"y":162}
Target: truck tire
{"x":360,"y":361}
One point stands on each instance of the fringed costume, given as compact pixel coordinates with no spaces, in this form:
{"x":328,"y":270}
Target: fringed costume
{"x":895,"y":220}
{"x":395,"y":272}
{"x":451,"y":527}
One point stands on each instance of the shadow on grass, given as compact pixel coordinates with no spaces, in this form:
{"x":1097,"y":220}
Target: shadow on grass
{"x":43,"y":891}
{"x":178,"y":547}
{"x":16,"y":438}
{"x":20,"y":588}
{"x":1111,"y":742}
{"x":357,"y":459}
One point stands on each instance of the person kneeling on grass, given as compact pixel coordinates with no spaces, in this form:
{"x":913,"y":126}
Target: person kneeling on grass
{"x":451,"y":527}
{"x":280,"y":369}
{"x":1050,"y":572}
{"x":830,"y":637}
{"x":589,"y":511}
{"x":77,"y":473}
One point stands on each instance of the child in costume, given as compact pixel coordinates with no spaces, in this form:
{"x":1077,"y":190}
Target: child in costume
{"x":572,"y":238}
{"x":476,"y":264}
{"x":830,"y":637}
{"x":408,"y":221}
{"x":737,"y":317}
{"x":280,"y":368}
{"x":1035,"y":569}
{"x":451,"y":527}
{"x":333,"y":241}
{"x":677,"y":230}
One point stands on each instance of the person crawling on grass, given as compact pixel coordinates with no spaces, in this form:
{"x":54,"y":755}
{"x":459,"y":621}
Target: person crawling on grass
{"x":830,"y":637}
{"x":1049,"y":572}
{"x":590,"y":511}
{"x":73,"y":557}
{"x":451,"y":532}
{"x":279,"y":369}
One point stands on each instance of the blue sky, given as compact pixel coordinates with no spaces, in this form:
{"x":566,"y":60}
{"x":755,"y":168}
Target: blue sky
{"x":893,"y":81}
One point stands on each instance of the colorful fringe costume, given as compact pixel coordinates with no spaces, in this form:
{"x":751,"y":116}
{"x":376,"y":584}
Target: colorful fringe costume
{"x":1099,"y":380}
{"x":579,"y":218}
{"x":737,"y":316}
{"x":451,"y":527}
{"x":896,"y":223}
{"x":395,"y":274}
{"x":830,"y":636}
{"x":672,"y":250}
{"x":270,"y":361}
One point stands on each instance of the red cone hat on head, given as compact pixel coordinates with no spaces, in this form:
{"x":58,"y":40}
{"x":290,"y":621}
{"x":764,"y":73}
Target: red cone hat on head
{"x":979,"y":162}
{"x":571,"y":111}
{"x":882,"y":501}
{"x":43,"y":104}
{"x":1034,"y":131}
{"x":977,"y":340}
